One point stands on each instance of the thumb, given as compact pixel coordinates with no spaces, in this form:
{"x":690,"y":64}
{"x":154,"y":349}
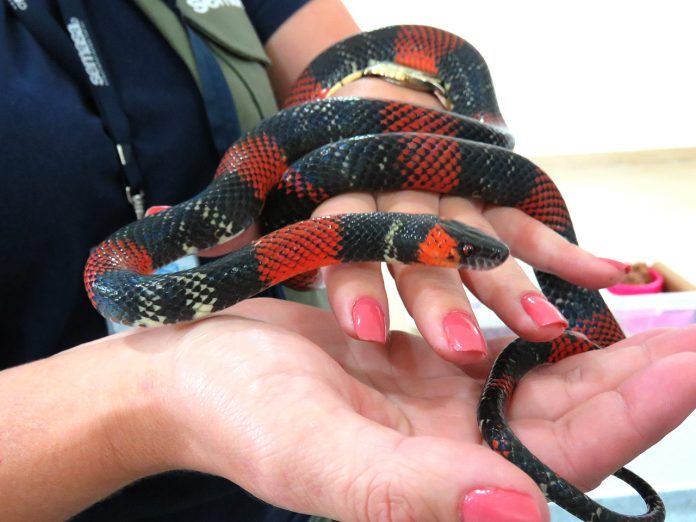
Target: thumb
{"x":360,"y":471}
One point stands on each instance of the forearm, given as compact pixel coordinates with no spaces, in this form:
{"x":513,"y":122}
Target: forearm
{"x":313,"y":29}
{"x":76,"y":427}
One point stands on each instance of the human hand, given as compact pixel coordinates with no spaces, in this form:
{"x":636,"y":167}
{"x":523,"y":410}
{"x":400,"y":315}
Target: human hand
{"x":278,"y":400}
{"x":434,"y":297}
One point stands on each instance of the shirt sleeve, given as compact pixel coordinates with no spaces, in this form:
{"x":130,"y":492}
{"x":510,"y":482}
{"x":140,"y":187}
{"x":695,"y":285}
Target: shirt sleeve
{"x":268,"y":15}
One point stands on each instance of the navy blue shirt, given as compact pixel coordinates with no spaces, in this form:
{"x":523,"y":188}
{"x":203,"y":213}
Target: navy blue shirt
{"x":63,"y":192}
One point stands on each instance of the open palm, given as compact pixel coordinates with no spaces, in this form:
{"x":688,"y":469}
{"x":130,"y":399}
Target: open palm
{"x":304,"y":417}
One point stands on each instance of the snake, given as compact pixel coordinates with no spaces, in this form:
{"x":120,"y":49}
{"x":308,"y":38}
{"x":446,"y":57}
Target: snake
{"x":320,"y":145}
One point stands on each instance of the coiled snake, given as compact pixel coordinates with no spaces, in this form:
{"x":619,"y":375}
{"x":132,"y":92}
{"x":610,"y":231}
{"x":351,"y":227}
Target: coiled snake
{"x":319,"y":147}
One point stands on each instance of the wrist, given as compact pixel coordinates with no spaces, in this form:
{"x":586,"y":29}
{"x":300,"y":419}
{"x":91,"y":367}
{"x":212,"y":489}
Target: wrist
{"x":138,"y":431}
{"x":80,"y":425}
{"x":383,"y":89}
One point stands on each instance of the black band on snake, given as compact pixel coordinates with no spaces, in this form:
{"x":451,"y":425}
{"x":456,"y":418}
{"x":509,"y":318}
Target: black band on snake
{"x":281,"y":170}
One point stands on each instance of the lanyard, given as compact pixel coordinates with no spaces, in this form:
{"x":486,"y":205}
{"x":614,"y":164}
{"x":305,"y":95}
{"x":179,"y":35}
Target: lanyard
{"x":82,"y":61}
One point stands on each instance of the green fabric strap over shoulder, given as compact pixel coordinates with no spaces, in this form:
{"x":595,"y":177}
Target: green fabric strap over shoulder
{"x":228,"y":32}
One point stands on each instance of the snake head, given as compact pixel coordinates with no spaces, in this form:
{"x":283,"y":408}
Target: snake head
{"x":451,"y":243}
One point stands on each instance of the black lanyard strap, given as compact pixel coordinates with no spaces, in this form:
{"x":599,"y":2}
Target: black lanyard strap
{"x":49,"y":34}
{"x":115,"y":120}
{"x":82,"y":61}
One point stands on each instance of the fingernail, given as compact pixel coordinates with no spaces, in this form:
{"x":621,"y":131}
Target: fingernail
{"x":617,"y":264}
{"x":463,"y":334}
{"x":151,"y":211}
{"x":368,"y":320}
{"x":541,"y":311}
{"x":498,"y":505}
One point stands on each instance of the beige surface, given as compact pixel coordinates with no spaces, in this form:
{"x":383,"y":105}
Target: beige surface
{"x":638,"y":206}
{"x":634,"y":206}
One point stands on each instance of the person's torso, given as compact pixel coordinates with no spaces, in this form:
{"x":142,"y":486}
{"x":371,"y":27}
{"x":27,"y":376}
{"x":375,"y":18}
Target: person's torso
{"x":63,"y":192}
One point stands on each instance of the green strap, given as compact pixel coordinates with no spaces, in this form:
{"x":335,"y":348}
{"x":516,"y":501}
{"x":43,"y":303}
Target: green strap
{"x":228,"y":27}
{"x":230,"y":36}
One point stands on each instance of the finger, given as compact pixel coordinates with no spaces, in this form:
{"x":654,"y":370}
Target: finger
{"x":506,"y":290}
{"x":435,"y":297}
{"x":577,"y":379}
{"x":356,"y":291}
{"x":600,"y":435}
{"x":544,"y":249}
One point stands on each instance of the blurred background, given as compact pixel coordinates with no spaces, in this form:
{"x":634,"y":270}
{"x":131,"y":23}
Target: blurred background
{"x":602,"y":95}
{"x":574,"y":77}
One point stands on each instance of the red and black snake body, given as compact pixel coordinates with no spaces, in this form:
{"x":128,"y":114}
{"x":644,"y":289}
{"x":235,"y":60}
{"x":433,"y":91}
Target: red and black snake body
{"x":281,"y":170}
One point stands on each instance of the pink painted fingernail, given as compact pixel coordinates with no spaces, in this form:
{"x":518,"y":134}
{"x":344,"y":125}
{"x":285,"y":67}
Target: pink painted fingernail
{"x":617,"y":264}
{"x":498,"y":505}
{"x":368,"y":320}
{"x":541,"y":311}
{"x":463,"y":334}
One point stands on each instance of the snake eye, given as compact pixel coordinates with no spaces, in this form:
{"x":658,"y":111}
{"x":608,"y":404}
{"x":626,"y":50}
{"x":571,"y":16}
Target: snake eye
{"x":467,"y":249}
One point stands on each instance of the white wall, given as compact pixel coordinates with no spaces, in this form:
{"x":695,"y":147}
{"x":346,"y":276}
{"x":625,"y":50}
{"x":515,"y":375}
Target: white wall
{"x":574,"y":77}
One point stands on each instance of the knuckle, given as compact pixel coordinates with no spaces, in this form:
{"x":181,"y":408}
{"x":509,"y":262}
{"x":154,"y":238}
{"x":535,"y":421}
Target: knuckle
{"x":496,"y":291}
{"x":429,"y":282}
